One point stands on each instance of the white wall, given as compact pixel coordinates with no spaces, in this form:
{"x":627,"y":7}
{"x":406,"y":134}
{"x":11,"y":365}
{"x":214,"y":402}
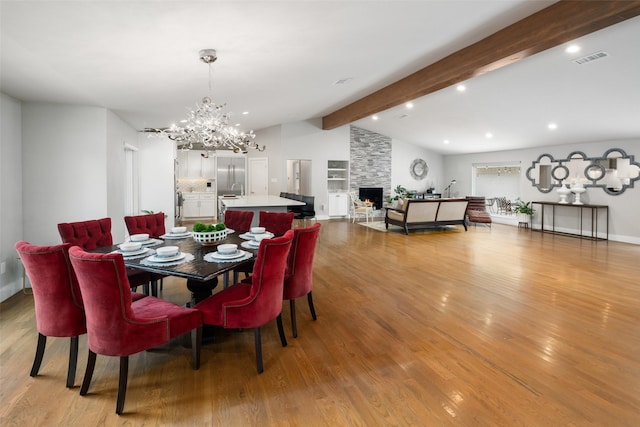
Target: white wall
{"x":118,"y":133}
{"x":402,"y":156}
{"x":64,"y":167}
{"x":307,"y":140}
{"x":11,"y":229}
{"x":623,"y":209}
{"x":157,"y":182}
{"x":271,"y":138}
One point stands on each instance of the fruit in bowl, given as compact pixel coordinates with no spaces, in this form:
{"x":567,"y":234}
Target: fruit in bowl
{"x":143,"y":237}
{"x":227,"y":249}
{"x":167,"y":251}
{"x":130,"y":246}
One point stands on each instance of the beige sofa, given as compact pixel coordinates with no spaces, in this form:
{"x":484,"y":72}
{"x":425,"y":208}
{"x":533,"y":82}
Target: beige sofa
{"x":428,"y":213}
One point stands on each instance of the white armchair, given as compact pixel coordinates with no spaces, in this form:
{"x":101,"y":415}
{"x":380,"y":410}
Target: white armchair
{"x":360,"y":208}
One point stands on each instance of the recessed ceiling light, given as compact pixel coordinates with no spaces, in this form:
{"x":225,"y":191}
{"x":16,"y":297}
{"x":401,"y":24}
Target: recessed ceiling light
{"x":552,"y":126}
{"x":446,"y":141}
{"x":374,"y":117}
{"x":409,"y":105}
{"x":573,"y":48}
{"x":461,"y":88}
{"x":245,"y":113}
{"x":237,"y":124}
{"x":488,"y":135}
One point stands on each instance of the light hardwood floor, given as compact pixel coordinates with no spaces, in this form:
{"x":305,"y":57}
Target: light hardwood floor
{"x":492,"y":327}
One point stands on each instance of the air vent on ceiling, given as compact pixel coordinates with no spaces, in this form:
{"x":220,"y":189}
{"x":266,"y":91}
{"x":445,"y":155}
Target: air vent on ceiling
{"x":591,"y":57}
{"x":343,"y":81}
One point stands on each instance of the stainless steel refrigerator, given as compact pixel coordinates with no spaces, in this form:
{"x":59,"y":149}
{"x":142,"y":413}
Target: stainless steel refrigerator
{"x":230,"y":175}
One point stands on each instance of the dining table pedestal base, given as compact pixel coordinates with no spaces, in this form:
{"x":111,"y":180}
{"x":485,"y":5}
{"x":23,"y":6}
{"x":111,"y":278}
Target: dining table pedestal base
{"x":201,"y":290}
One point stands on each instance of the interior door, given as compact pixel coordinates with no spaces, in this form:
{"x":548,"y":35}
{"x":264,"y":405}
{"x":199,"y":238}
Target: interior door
{"x":258,"y":176}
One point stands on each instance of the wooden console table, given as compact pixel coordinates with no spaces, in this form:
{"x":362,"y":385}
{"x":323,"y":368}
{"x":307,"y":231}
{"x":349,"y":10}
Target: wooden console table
{"x":594,"y":219}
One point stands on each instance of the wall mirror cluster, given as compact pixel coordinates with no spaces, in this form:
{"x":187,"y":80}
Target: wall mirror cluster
{"x":614,"y":171}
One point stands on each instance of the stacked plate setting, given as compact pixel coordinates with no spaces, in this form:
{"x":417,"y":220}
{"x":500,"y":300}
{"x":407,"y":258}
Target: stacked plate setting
{"x":227,"y":252}
{"x":128,"y":249}
{"x":167,"y":254}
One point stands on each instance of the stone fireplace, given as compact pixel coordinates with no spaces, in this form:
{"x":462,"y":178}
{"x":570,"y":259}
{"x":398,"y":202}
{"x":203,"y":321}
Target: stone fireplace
{"x":370,"y":165}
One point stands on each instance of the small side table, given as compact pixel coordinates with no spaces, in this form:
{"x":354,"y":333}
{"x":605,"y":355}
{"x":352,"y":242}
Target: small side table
{"x":523,"y":225}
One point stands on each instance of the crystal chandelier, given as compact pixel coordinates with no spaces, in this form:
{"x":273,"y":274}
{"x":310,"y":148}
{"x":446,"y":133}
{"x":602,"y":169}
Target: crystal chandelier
{"x":208,"y":124}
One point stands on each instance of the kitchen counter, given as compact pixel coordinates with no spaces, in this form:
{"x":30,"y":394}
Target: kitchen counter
{"x":257,"y":204}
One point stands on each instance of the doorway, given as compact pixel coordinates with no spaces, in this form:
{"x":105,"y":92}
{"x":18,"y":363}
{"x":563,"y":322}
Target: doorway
{"x":258,"y":176}
{"x":131,"y":199}
{"x":299,"y":177}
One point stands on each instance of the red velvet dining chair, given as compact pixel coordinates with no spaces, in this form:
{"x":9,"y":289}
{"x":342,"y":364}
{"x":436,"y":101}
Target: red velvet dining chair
{"x":253,"y":305}
{"x":57,"y":299}
{"x":118,"y":326}
{"x":153,"y":225}
{"x":298,"y":281}
{"x":276,"y":222}
{"x":240,"y":221}
{"x":92,"y":234}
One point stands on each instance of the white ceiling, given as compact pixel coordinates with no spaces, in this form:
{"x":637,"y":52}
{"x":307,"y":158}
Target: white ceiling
{"x":280,"y":61}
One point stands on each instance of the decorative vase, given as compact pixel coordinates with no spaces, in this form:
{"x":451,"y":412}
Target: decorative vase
{"x":578,"y":189}
{"x":563,"y":192}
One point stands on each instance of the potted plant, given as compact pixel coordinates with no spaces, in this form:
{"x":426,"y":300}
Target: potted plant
{"x":401,"y":193}
{"x":523,"y":210}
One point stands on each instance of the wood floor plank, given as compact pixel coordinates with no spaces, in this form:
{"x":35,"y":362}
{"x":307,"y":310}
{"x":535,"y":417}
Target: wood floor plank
{"x":494,"y":326}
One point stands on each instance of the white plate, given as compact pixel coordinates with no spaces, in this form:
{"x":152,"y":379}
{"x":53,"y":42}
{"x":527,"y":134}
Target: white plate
{"x":132,"y":253}
{"x":266,"y":233}
{"x":155,"y":258}
{"x":146,"y":242}
{"x":253,"y":244}
{"x":176,"y":235}
{"x":238,"y":254}
{"x":230,"y":231}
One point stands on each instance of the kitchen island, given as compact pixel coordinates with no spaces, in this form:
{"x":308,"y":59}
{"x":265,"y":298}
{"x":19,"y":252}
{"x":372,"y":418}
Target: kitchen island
{"x":255,"y":204}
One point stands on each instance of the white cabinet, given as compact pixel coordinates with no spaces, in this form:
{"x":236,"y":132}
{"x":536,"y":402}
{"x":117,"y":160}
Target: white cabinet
{"x":208,"y":167}
{"x":338,"y":204}
{"x":190,"y":207}
{"x":208,"y":206}
{"x":191,"y":164}
{"x":199,"y":205}
{"x":183,"y":163}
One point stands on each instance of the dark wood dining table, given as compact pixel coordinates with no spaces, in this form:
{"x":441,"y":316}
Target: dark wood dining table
{"x":201,"y":275}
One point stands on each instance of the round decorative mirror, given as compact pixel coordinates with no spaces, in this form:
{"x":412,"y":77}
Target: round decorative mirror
{"x":419,"y":169}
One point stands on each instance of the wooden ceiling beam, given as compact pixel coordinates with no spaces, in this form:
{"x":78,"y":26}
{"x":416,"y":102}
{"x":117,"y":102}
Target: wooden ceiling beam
{"x":559,"y":23}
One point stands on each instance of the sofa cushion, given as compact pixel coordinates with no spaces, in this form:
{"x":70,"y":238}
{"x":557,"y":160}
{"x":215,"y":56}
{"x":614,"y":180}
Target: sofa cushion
{"x":395,"y":215}
{"x":452,"y":210}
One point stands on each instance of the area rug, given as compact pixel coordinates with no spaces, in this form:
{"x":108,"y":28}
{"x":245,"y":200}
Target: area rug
{"x":379,"y":226}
